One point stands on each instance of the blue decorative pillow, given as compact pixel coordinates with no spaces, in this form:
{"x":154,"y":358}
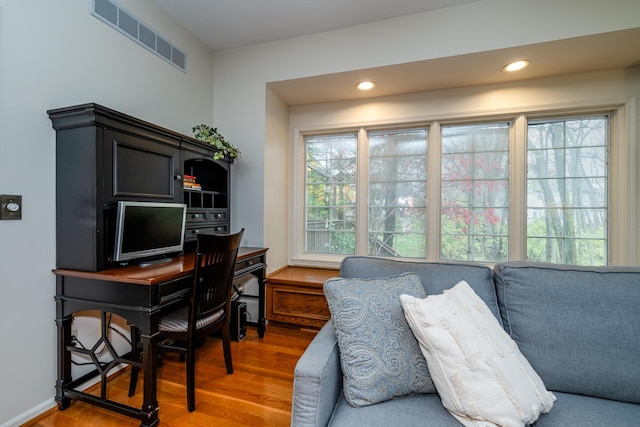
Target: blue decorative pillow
{"x":380,"y":356}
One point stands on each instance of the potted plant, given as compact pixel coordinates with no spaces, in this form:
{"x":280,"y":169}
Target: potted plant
{"x":211,"y":136}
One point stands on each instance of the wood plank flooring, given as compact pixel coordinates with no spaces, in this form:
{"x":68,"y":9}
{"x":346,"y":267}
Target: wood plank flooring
{"x":258,"y":393}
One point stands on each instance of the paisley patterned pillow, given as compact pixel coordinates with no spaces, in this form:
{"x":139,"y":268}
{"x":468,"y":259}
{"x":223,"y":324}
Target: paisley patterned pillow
{"x":379,"y":354}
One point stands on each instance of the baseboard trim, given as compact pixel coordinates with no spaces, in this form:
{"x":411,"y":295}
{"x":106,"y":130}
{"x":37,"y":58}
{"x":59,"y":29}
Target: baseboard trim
{"x":31,"y":414}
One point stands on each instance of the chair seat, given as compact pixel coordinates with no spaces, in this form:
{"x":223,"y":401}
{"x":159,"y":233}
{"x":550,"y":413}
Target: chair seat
{"x":178,"y":321}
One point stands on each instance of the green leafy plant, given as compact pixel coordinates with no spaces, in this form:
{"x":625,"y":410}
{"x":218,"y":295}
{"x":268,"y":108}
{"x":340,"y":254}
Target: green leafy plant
{"x":210,"y":135}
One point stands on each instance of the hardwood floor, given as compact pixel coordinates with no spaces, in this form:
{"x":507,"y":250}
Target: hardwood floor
{"x":258,"y":393}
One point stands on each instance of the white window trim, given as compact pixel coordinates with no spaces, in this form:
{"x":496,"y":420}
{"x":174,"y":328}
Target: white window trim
{"x":623,"y":178}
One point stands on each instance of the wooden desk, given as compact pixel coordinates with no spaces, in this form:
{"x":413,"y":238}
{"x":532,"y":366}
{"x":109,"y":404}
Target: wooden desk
{"x":141,"y":296}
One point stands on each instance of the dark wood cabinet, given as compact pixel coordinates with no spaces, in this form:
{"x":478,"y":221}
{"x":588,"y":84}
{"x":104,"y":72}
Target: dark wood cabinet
{"x":104,"y":156}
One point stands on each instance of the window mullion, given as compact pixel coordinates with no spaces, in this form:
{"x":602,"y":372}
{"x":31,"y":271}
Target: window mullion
{"x":518,"y":189}
{"x":362,"y":189}
{"x":433,"y":191}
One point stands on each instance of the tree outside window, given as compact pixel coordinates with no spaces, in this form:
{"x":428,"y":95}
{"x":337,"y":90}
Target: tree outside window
{"x":475,"y":193}
{"x":566,"y":182}
{"x":330,"y":219}
{"x":567,"y":191}
{"x":398,"y":193}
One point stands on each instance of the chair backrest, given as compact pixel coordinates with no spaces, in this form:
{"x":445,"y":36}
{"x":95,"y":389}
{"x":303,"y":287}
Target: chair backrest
{"x":213,"y":275}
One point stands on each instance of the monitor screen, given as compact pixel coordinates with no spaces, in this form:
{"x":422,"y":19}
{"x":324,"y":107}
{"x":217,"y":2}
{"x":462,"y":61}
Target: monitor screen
{"x":148,"y":229}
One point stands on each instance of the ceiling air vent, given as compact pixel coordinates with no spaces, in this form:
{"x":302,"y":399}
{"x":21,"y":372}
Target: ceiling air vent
{"x":114,"y":15}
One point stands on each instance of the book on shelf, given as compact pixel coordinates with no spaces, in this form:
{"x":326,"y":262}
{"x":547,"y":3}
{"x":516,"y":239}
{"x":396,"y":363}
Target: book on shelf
{"x":192,"y":186}
{"x":189,"y":178}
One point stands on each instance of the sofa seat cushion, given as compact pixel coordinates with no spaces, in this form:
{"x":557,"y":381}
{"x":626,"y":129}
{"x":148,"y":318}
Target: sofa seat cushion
{"x":585,"y":411}
{"x":579,"y":327}
{"x":379,"y":355}
{"x":417,"y":410}
{"x":480,"y":374}
{"x":426,"y":410}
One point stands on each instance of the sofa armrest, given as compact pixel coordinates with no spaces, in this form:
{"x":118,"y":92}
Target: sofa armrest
{"x":317,"y":380}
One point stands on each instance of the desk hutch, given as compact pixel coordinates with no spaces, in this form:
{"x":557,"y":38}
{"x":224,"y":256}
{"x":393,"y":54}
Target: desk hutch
{"x":104,"y":156}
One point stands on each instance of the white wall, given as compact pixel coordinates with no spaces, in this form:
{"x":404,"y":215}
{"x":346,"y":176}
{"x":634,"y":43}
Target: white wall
{"x":55,"y":54}
{"x":240,"y":75}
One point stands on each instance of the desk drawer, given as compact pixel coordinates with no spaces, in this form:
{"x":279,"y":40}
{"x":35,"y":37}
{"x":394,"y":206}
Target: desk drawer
{"x":175,"y":289}
{"x":195,"y":216}
{"x":192,"y":232}
{"x":199,"y":216}
{"x":251,"y":264}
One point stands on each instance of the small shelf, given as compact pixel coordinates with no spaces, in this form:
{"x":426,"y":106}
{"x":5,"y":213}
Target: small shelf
{"x":205,"y":199}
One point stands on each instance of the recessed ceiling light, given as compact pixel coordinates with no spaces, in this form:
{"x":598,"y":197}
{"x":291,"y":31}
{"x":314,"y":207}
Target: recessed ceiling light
{"x":366,"y":85}
{"x":516,"y":65}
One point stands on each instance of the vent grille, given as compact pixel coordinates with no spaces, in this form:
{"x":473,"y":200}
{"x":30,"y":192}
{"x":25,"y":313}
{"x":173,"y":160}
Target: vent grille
{"x":112,"y":14}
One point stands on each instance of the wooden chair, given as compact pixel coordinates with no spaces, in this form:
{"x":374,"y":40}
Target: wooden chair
{"x":209,"y":309}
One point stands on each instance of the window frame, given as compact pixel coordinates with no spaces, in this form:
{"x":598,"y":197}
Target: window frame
{"x":622,"y":202}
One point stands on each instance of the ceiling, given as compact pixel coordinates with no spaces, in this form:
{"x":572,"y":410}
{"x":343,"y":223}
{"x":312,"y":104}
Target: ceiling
{"x":228,"y":24}
{"x":216,"y":24}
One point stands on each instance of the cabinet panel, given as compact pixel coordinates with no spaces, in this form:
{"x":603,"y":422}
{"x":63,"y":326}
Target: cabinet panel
{"x":142,"y":168}
{"x":299,"y":306}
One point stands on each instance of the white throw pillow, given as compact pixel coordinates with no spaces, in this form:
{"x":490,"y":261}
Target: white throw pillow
{"x":478,"y":370}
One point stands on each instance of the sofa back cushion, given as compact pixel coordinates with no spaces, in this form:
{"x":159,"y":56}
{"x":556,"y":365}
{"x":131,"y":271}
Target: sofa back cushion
{"x":436,"y":276}
{"x":579,"y":327}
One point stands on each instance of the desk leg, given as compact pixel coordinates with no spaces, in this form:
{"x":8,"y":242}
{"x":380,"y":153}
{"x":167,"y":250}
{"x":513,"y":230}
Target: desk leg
{"x":150,"y":402}
{"x":64,"y":358}
{"x":262,"y":304}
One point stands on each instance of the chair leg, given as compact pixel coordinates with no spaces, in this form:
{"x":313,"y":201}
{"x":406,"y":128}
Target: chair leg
{"x":226,"y":345}
{"x":191,"y":374}
{"x":135,"y":356}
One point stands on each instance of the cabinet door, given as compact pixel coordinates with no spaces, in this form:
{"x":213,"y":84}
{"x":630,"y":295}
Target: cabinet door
{"x":141,"y":168}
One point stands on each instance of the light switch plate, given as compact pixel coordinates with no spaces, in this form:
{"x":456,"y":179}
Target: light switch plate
{"x":10,"y":206}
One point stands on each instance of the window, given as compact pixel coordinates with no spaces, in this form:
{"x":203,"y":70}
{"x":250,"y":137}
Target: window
{"x":475,"y":193}
{"x":519,"y":188}
{"x":567,"y":191}
{"x":398,"y":193}
{"x":330,"y":217}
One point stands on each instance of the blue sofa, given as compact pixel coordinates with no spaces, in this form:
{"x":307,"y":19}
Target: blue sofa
{"x":579,"y":328}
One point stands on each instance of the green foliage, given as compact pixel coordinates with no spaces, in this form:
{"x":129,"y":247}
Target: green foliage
{"x":211,"y":136}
